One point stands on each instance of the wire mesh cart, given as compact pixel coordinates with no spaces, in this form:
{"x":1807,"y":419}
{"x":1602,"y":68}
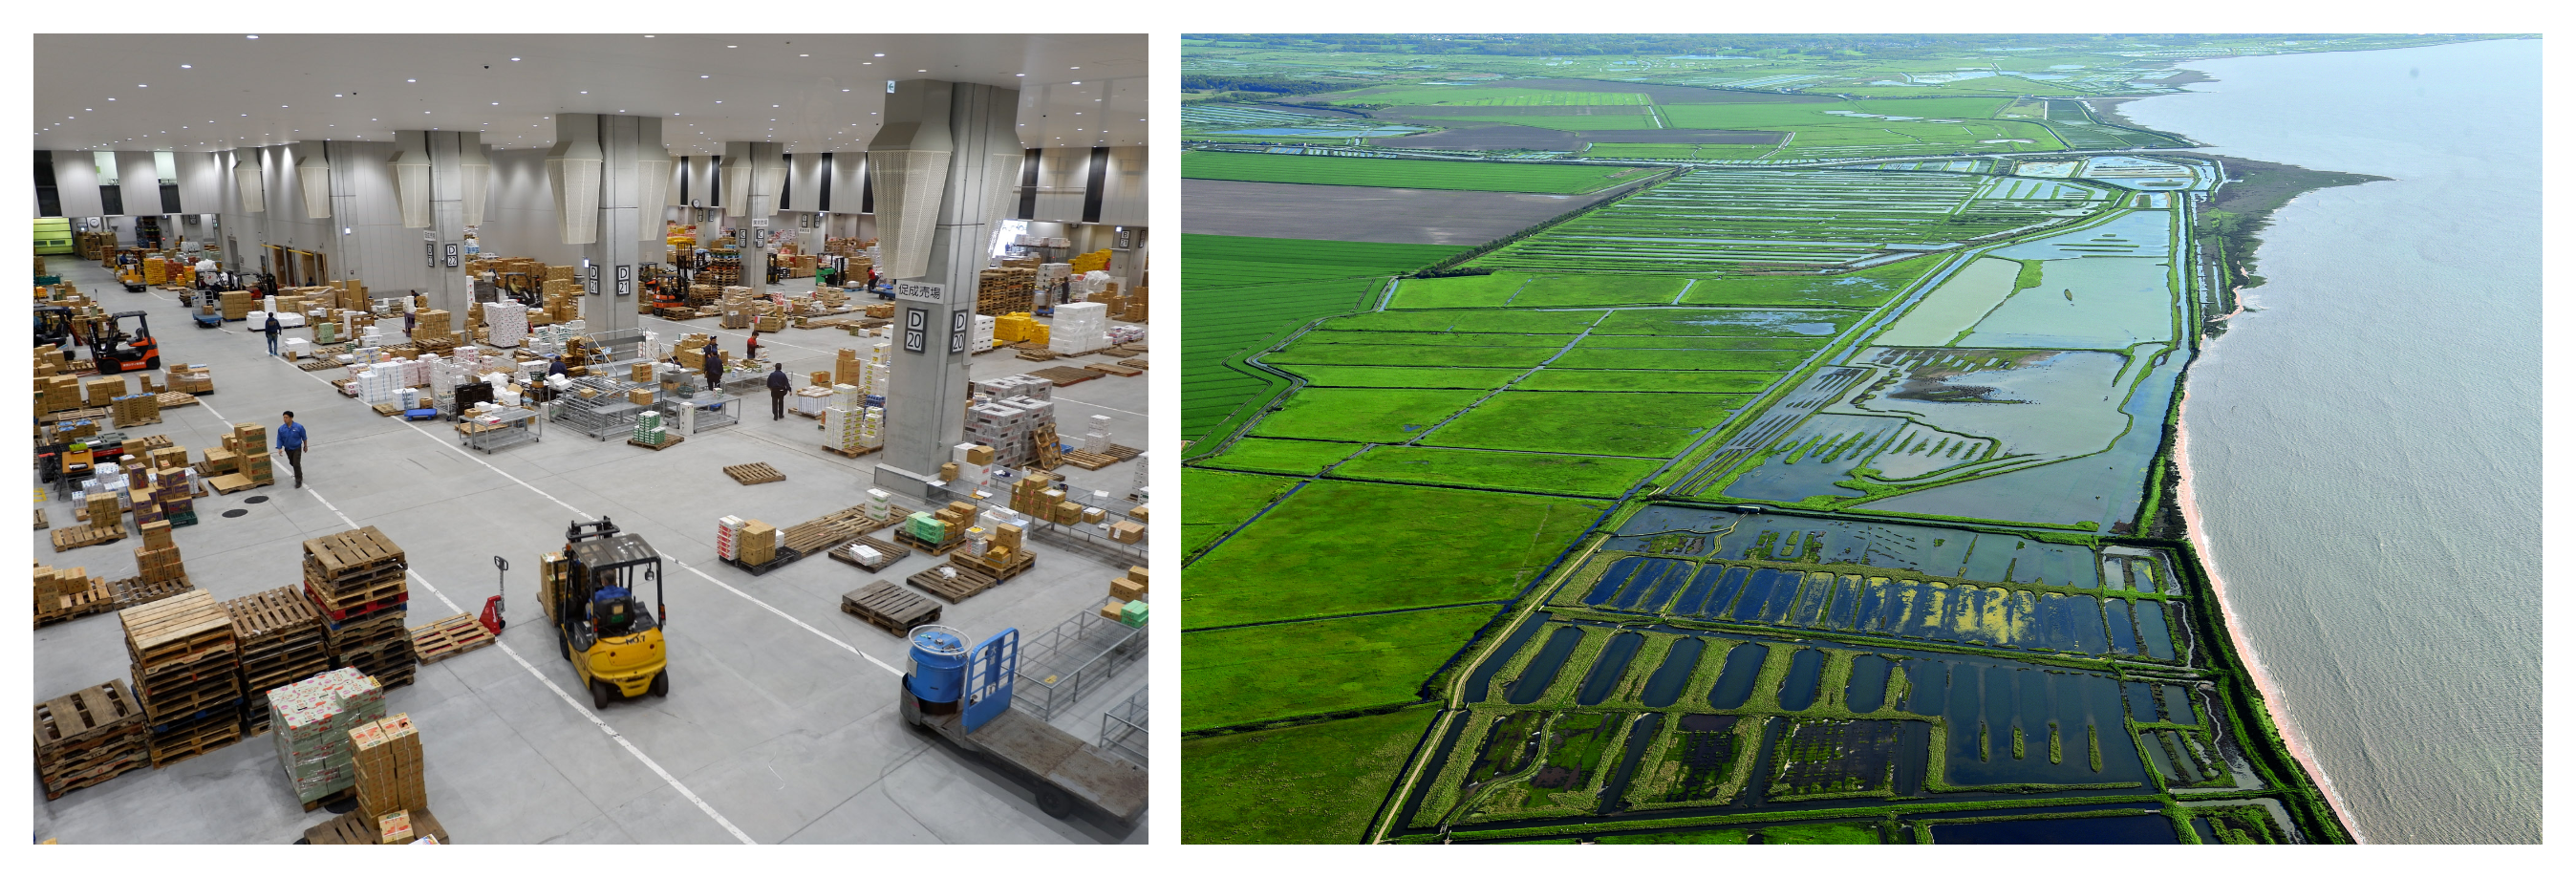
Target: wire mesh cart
{"x":1122,"y":729}
{"x":1062,"y":663}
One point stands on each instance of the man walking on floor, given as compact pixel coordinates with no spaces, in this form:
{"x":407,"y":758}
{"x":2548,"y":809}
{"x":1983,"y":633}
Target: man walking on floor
{"x":715,"y":366}
{"x":779,"y":384}
{"x":271,"y":328}
{"x":290,"y":439}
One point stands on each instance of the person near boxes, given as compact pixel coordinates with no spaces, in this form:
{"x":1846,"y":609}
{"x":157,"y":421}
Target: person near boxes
{"x":555,"y":366}
{"x":715,"y":366}
{"x":290,"y":439}
{"x":779,"y":384}
{"x":751,"y":346}
{"x":271,"y":328}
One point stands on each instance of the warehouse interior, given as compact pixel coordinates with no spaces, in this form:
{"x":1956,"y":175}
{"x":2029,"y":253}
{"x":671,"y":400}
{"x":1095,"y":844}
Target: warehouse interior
{"x":498,"y":266}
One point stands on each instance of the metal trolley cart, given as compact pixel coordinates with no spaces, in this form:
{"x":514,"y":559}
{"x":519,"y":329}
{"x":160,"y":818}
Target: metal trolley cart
{"x":702,"y":412}
{"x":606,"y":411}
{"x":503,"y":429}
{"x":1122,"y":729}
{"x":1075,"y":657}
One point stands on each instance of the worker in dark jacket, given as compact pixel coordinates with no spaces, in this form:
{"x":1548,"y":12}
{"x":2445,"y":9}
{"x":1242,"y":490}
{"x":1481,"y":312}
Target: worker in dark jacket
{"x":272,"y":328}
{"x":779,"y":384}
{"x":555,"y":366}
{"x":714,"y":366}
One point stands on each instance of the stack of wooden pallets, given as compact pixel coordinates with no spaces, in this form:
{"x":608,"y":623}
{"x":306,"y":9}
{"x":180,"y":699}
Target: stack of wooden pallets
{"x":356,"y":579}
{"x":280,"y":634}
{"x":84,"y":738}
{"x":187,"y":674}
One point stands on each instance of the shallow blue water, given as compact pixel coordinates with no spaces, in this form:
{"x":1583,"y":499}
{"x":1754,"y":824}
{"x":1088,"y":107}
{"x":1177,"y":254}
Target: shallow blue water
{"x":2366,"y":443}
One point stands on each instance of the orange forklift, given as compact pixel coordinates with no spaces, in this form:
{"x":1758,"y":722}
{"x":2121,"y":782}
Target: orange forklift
{"x":117,"y":353}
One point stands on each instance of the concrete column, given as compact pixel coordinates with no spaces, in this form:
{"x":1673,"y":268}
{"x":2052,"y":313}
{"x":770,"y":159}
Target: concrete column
{"x":628,"y":146}
{"x":753,"y":173}
{"x":448,"y":289}
{"x":974,"y":126}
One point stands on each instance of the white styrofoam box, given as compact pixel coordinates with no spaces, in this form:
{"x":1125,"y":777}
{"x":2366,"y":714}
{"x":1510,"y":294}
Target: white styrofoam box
{"x":257,"y":320}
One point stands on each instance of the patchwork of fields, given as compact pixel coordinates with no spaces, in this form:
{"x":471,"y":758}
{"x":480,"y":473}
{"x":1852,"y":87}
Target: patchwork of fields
{"x":1788,"y":503}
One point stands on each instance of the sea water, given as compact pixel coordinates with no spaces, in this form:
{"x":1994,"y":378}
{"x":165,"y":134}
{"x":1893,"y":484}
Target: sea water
{"x":2364,"y":442}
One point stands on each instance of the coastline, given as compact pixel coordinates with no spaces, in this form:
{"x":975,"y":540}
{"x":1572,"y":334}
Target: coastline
{"x":2185,"y":501}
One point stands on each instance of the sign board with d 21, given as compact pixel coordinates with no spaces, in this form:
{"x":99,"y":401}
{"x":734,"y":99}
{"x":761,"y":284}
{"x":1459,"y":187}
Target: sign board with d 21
{"x":916,"y":330}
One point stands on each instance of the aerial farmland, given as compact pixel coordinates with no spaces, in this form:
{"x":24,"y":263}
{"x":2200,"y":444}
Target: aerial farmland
{"x":1807,"y":479}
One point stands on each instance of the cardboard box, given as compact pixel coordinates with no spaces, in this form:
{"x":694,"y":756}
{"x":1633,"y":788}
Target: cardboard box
{"x":981,"y":455}
{"x":157,"y":536}
{"x":101,"y":392}
{"x":1067,"y":512}
{"x":948,"y":471}
{"x":1093,"y":515}
{"x":1114,"y":610}
{"x":643,"y":372}
{"x":1137,"y":513}
{"x":640,"y":395}
{"x":1127,"y":532}
{"x":759,"y":543}
{"x":1126,"y":590}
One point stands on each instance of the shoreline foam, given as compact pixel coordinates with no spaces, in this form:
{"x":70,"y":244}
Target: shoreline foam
{"x":2198,"y":533}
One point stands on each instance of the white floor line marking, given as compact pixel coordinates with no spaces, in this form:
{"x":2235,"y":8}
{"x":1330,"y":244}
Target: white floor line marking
{"x":567,"y":697}
{"x":1099,"y":406}
{"x":800,"y":623}
{"x":783,"y":615}
{"x":218,"y":415}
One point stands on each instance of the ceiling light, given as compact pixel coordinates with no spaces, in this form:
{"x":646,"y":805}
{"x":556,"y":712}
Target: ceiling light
{"x":1073,"y":68}
{"x":411,"y":80}
{"x":880,"y":54}
{"x":921,"y":71}
{"x":733,"y":47}
{"x":498,"y":103}
{"x":1077,"y":82}
{"x":252,"y":36}
{"x":142,"y":85}
{"x":187,"y":66}
{"x":702,"y":76}
{"x":867,"y":62}
{"x":804,"y":56}
{"x":514,"y":59}
{"x":585,"y":92}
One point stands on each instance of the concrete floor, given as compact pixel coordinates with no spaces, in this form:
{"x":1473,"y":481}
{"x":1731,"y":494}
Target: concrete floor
{"x":781,"y":725}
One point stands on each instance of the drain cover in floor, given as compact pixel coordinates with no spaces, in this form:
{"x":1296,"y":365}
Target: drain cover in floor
{"x":260,"y":498}
{"x":236,"y":513}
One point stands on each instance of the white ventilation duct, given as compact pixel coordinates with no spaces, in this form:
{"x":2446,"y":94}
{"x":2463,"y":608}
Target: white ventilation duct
{"x":769,"y":172}
{"x":736,"y":173}
{"x":907,"y":168}
{"x":573,"y":166}
{"x":313,"y":172}
{"x":411,"y":181}
{"x":254,"y":197}
{"x":652,"y":184}
{"x":475,"y":172}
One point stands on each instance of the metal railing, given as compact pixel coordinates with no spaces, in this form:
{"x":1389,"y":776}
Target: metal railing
{"x":1061,"y":663}
{"x":1122,"y":729}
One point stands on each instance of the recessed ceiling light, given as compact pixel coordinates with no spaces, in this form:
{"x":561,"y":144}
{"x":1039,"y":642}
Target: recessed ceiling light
{"x":921,"y":71}
{"x":411,"y":80}
{"x":142,"y":85}
{"x":187,"y":66}
{"x":252,"y":36}
{"x":1073,"y":68}
{"x":1077,"y":82}
{"x":702,"y":76}
{"x":733,"y":47}
{"x":514,"y":59}
{"x":804,"y":56}
{"x":1019,"y":74}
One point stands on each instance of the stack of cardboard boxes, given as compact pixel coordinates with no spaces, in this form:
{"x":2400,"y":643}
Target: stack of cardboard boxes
{"x":136,"y":409}
{"x":1019,"y":329}
{"x":190,"y":377}
{"x":247,"y":458}
{"x":758,"y":543}
{"x":1127,"y":598}
{"x":236,"y":304}
{"x":58,"y":393}
{"x":937,"y":530}
{"x":63,"y":594}
{"x":1080,"y":328}
{"x":391,"y":790}
{"x":186,"y":671}
{"x":157,"y":560}
{"x":312,"y":718}
{"x":102,"y":391}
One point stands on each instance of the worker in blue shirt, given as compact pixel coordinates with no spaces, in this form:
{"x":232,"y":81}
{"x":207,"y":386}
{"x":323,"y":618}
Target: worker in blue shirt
{"x":290,"y":439}
{"x":779,"y":384}
{"x":555,"y":366}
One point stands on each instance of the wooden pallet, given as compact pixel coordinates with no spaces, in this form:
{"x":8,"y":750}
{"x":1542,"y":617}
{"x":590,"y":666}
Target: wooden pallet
{"x":98,"y":598}
{"x":837,"y":527}
{"x":965,"y":584}
{"x":1088,"y":460}
{"x":132,"y":591}
{"x":887,"y":606}
{"x":754,"y":473}
{"x":112,"y":759}
{"x":86,"y":717}
{"x":1020,"y":563}
{"x":174,"y":399}
{"x":856,"y":453}
{"x":40,"y":520}
{"x":356,"y":828}
{"x":1130,"y":349}
{"x":194,"y":742}
{"x":1050,"y":449}
{"x":450,"y":637}
{"x":226,"y":484}
{"x":352,"y":555}
{"x":1119,"y":369}
{"x":1032,"y":352}
{"x":668,"y":440}
{"x":176,"y":630}
{"x":76,"y":414}
{"x":68,"y":538}
{"x":887,"y":554}
{"x":1065,"y":376}
{"x":1133,"y":363}
{"x":941,"y":548}
{"x":273,"y":616}
{"x":333,"y":800}
{"x":387,"y":409}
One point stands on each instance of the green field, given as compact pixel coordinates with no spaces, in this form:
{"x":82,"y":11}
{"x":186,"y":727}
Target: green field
{"x":1586,"y":357}
{"x":1363,"y":414}
{"x":1403,"y":376}
{"x":1402,"y":173}
{"x":1554,"y":322}
{"x":1536,"y":291}
{"x":1288,"y":456}
{"x":1680,"y":151}
{"x":1497,"y":97}
{"x":1399,"y":355}
{"x":1650,"y":382}
{"x":1243,"y":293}
{"x":1629,"y":424}
{"x":1262,"y":672}
{"x":1311,"y":784}
{"x":1214,"y":503}
{"x":1866,"y":288}
{"x":1573,"y":475}
{"x":1336,"y":548}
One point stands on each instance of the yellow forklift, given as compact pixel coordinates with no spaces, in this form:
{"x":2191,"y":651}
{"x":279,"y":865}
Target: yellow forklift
{"x":593,"y":591}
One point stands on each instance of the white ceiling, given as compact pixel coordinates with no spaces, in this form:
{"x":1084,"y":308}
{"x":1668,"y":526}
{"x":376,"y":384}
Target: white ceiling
{"x":814,"y":93}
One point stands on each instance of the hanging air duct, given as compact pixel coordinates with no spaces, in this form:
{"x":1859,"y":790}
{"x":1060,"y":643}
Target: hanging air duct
{"x":769,"y":172}
{"x":1002,"y":163}
{"x":475,"y":172}
{"x":907,"y":168}
{"x":736,"y":172}
{"x":573,"y":166}
{"x":313,"y":172}
{"x":652,"y":180}
{"x":411,"y":179}
{"x":254,"y":197}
